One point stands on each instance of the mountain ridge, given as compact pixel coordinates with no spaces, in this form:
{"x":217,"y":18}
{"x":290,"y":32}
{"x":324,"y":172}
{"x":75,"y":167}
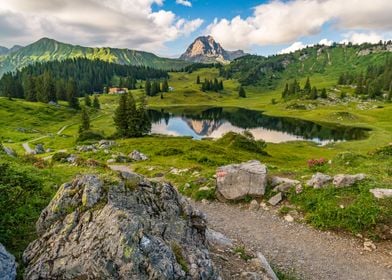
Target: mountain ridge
{"x":205,"y":49}
{"x":46,"y":49}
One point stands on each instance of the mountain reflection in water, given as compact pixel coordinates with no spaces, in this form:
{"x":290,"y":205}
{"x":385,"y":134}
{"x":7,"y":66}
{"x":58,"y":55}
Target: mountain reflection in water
{"x":214,"y":122}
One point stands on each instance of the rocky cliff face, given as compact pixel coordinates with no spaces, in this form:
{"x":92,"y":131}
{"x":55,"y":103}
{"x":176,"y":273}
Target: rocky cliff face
{"x":206,"y":50}
{"x":126,"y":229}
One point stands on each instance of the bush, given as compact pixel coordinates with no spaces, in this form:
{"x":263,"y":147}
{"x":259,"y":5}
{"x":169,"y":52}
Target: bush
{"x":384,"y":151}
{"x":90,"y":135}
{"x":60,"y":157}
{"x":243,"y":141}
{"x":317,"y":164}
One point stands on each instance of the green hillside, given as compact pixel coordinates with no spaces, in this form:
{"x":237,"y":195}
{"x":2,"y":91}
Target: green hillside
{"x":48,"y":50}
{"x":328,"y":62}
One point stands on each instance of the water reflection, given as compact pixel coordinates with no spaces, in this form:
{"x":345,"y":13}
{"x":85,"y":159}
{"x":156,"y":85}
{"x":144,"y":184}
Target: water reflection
{"x":214,"y":122}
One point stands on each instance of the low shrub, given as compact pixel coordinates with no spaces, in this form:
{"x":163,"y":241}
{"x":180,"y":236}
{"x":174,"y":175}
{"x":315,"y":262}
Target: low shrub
{"x":90,"y":135}
{"x":60,"y":157}
{"x":243,"y":141}
{"x":317,"y":164}
{"x":169,"y":152}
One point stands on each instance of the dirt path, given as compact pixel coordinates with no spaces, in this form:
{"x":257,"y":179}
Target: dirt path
{"x":292,"y":246}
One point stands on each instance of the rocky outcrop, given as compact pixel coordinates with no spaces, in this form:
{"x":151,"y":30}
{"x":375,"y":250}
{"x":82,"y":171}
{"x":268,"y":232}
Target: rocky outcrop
{"x":319,"y":180}
{"x":9,"y":151}
{"x":7,"y":265}
{"x":126,"y":229}
{"x":137,"y":156}
{"x":206,"y":50}
{"x":236,"y":181}
{"x":342,"y":180}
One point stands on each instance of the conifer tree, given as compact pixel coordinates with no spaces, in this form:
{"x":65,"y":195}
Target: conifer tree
{"x":121,"y":116}
{"x":198,"y":80}
{"x":241,"y":92}
{"x":87,"y":100}
{"x":30,"y":89}
{"x":85,"y":124}
{"x":324,"y":93}
{"x":96,"y":103}
{"x":165,"y":86}
{"x":73,"y":101}
{"x":147,"y":87}
{"x":314,"y":93}
{"x":307,"y":87}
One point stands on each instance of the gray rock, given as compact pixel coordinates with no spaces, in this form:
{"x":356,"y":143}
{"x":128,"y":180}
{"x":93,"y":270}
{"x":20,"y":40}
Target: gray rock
{"x":239,"y":180}
{"x":319,"y":180}
{"x":39,"y":149}
{"x":87,"y":148}
{"x":7,"y":265}
{"x":9,"y":151}
{"x":275,"y":181}
{"x":137,"y":156}
{"x":135,"y":229}
{"x":254,"y":205}
{"x":342,"y":180}
{"x":106,"y":144}
{"x":218,"y":239}
{"x":381,"y":193}
{"x":276,"y":199}
{"x":266,"y":266}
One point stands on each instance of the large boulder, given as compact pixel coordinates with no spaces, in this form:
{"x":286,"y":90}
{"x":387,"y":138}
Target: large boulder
{"x":236,"y":181}
{"x":319,"y":180}
{"x":126,"y":229}
{"x":7,"y":265}
{"x":342,"y":180}
{"x":137,"y":156}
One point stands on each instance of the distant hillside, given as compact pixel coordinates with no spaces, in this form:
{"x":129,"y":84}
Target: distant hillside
{"x":206,"y":50}
{"x":49,"y":50}
{"x":5,"y":51}
{"x":329,"y":61}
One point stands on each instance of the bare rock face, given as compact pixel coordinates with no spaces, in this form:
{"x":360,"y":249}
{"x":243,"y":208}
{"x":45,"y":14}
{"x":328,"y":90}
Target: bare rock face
{"x":126,"y":229}
{"x":206,"y":50}
{"x":236,"y":181}
{"x":7,"y":265}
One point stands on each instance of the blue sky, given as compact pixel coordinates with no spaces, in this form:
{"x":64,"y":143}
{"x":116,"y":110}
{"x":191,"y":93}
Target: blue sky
{"x":166,"y":27}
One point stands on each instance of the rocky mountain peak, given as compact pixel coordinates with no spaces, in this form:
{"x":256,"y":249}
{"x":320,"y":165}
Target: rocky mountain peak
{"x":206,"y":50}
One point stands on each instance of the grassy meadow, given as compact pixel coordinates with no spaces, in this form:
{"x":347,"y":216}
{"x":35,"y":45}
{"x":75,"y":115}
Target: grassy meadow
{"x":191,"y":164}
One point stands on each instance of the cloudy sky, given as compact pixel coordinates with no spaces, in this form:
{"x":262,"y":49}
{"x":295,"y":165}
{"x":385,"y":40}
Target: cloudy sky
{"x":167,"y":27}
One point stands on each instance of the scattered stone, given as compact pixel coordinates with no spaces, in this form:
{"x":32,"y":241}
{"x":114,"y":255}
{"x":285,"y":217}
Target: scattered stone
{"x":276,"y":199}
{"x":266,"y":266}
{"x":289,"y":218}
{"x":275,"y":181}
{"x":39,"y":149}
{"x":219,"y":239}
{"x":7,"y":265}
{"x":239,"y":180}
{"x":264,"y":206}
{"x":86,"y":148}
{"x":369,"y":246}
{"x":205,"y":188}
{"x":381,"y":193}
{"x":72,"y":159}
{"x":112,"y":160}
{"x":254,"y":205}
{"x":319,"y":180}
{"x":342,"y":180}
{"x":106,"y":144}
{"x":205,"y":201}
{"x":137,"y":156}
{"x":9,"y":151}
{"x":132,"y":229}
{"x":177,"y":171}
{"x":298,"y":189}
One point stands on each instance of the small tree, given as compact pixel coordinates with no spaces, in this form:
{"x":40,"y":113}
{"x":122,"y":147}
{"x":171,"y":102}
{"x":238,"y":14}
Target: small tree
{"x":165,"y":86}
{"x":121,"y":116}
{"x":87,"y":100}
{"x":85,"y":125}
{"x":314,"y":93}
{"x":96,"y":103}
{"x":307,"y":87}
{"x":71,"y":95}
{"x":242,"y":93}
{"x":324,"y":93}
{"x":147,"y":87}
{"x":198,"y":80}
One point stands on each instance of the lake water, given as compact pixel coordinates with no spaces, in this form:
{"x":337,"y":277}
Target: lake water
{"x":214,"y":122}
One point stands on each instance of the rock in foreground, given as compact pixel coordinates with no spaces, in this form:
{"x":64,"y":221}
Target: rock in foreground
{"x":236,"y":181}
{"x":7,"y":265}
{"x":131,"y":229}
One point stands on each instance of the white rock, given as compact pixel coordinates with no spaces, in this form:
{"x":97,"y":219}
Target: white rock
{"x":342,"y":180}
{"x":289,"y":218}
{"x":319,"y":180}
{"x":254,"y":205}
{"x":381,"y":193}
{"x":275,"y":199}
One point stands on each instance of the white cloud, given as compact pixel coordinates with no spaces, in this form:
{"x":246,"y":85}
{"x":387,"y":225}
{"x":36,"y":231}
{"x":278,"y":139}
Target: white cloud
{"x":294,"y":47}
{"x":359,"y":38}
{"x":184,"y":3}
{"x":326,"y":42}
{"x":282,"y":22}
{"x":118,"y":23}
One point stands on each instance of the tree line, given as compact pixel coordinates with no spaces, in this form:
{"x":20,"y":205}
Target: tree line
{"x":294,"y":90}
{"x":72,"y":78}
{"x":210,"y":85}
{"x":375,"y":82}
{"x":153,"y":88}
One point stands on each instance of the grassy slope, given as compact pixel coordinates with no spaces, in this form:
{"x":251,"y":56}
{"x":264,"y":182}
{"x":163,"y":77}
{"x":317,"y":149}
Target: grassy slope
{"x":47,"y":50}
